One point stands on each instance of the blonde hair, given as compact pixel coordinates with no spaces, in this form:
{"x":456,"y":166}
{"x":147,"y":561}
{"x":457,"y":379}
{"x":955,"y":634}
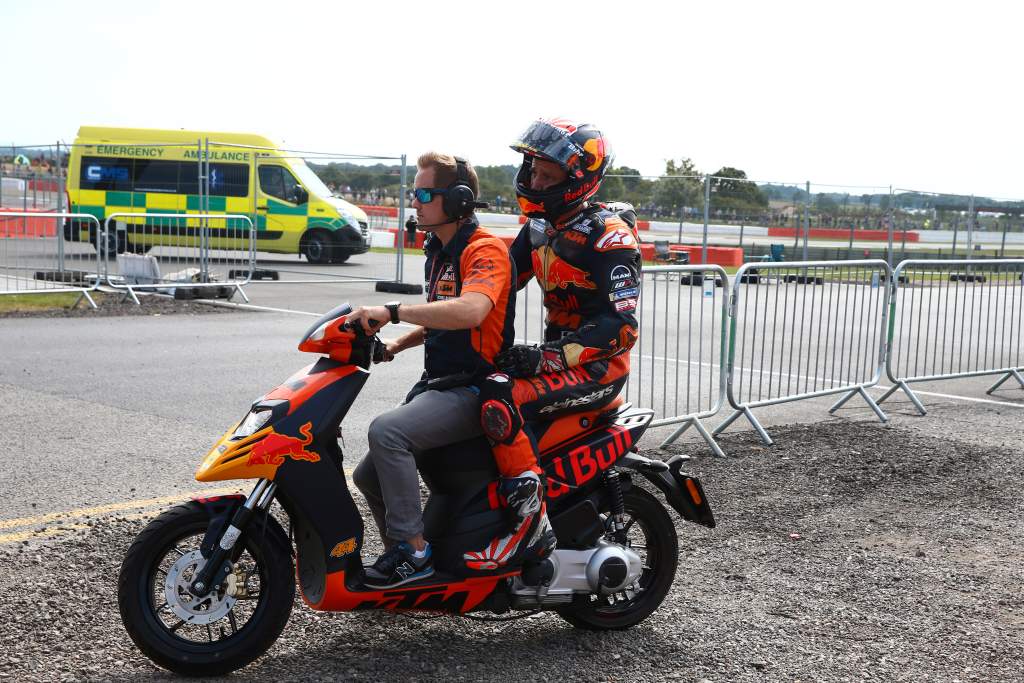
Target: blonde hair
{"x":446,"y":170}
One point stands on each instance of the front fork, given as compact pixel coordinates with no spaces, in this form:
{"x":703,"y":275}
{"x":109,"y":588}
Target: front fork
{"x":218,"y":565}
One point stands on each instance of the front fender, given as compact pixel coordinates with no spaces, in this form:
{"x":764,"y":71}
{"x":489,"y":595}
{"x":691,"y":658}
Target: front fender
{"x":221,"y":509}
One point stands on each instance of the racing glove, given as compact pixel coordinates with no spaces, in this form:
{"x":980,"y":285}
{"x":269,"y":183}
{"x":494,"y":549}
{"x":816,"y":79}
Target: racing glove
{"x":523,"y":360}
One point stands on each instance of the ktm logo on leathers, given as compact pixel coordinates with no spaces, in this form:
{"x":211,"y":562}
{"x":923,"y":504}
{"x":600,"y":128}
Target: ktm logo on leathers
{"x":273,"y":448}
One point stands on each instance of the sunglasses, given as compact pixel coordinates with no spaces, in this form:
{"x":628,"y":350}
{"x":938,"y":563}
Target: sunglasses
{"x":425,"y":195}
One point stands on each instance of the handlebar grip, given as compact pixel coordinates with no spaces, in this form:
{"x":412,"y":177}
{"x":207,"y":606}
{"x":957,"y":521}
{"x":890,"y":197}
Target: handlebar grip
{"x":358,"y":329}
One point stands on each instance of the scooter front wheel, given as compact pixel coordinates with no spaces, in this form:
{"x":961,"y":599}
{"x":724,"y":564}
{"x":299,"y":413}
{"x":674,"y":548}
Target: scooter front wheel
{"x":222,"y":631}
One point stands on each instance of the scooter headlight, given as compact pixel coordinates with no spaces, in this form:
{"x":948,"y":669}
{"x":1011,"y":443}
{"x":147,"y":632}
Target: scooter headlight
{"x":253,"y":422}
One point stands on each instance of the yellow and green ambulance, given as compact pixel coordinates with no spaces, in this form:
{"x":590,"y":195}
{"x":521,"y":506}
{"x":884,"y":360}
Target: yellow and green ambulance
{"x":150,"y":171}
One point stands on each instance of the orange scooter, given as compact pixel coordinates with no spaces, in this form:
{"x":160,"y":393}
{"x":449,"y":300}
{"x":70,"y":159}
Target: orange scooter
{"x":208,"y":586}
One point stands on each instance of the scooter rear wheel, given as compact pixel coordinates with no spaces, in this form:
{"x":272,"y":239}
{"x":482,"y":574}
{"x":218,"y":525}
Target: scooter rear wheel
{"x":221,"y":632}
{"x":652,"y":534}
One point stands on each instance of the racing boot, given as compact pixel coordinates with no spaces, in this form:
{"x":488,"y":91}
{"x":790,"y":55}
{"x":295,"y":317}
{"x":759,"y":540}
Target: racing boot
{"x":531,"y":538}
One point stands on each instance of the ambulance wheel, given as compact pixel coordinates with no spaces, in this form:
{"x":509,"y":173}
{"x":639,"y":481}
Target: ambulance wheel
{"x":339,"y":257}
{"x":317,"y":246}
{"x":108,"y":245}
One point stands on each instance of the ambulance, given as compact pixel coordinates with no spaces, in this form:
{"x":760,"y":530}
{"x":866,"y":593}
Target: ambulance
{"x":150,"y":171}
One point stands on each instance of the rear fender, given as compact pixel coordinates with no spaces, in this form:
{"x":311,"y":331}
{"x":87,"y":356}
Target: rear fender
{"x":682,"y":491}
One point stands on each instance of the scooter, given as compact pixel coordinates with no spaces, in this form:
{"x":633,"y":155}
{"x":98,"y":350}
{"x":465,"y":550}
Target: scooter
{"x":208,"y":586}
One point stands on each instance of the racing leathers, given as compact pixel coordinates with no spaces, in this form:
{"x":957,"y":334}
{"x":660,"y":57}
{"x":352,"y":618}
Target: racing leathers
{"x":589,"y":270}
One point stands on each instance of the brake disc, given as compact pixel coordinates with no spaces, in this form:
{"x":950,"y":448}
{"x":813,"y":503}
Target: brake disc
{"x":187,"y":607}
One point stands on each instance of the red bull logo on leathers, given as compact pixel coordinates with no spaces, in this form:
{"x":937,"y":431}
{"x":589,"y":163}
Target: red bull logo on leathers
{"x":274,"y":448}
{"x":554,"y":273}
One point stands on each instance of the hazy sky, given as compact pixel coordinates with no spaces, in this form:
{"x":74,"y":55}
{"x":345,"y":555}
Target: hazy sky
{"x":922,"y":95}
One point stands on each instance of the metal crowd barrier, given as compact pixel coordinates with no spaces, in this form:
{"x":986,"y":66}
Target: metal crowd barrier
{"x":955,"y":319}
{"x":676,"y":366}
{"x":36,"y":258}
{"x":802,"y":330}
{"x":165,"y":251}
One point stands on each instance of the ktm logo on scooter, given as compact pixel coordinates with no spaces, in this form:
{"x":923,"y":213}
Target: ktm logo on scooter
{"x":273,"y":448}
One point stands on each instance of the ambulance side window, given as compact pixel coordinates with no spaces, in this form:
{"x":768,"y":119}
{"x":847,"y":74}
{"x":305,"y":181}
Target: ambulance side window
{"x":229,"y":180}
{"x":278,"y":182}
{"x":105,"y":173}
{"x":156,"y":176}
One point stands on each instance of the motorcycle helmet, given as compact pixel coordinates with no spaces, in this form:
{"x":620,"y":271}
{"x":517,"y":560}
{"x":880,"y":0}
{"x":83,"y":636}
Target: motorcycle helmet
{"x":580,"y":149}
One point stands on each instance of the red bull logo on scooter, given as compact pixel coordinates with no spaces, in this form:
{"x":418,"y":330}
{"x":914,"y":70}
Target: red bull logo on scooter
{"x":274,"y":447}
{"x":554,"y":273}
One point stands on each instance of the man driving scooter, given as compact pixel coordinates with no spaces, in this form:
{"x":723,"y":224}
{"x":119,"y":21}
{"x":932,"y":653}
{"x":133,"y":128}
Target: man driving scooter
{"x":586,"y":258}
{"x":466,"y":322}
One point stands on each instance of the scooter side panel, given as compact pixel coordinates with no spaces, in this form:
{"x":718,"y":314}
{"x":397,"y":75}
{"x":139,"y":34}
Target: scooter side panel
{"x":582,"y":461}
{"x":457,"y":597}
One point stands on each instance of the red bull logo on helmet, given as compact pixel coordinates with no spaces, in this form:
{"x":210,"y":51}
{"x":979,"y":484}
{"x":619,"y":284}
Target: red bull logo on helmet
{"x":274,"y":448}
{"x":529,"y":207}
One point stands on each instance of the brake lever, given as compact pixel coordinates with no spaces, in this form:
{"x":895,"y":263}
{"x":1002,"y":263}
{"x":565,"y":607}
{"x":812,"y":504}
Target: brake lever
{"x":378,"y":354}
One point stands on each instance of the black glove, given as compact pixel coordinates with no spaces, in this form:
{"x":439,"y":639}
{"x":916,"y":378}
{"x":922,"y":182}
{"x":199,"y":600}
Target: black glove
{"x":520,"y":360}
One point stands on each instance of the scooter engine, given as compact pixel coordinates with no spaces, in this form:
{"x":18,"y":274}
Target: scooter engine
{"x":606,"y":568}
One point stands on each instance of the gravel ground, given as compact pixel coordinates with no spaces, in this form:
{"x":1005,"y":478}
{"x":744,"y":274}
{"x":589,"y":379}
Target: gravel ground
{"x":848,"y":551}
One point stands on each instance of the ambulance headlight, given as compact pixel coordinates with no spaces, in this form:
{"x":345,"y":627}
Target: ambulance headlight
{"x":349,"y":218}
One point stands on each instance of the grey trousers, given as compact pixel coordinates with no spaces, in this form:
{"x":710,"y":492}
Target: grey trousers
{"x":387,"y":476}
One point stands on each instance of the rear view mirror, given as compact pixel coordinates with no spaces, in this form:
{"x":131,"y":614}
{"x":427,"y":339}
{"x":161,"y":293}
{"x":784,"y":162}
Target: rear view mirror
{"x":299,"y":195}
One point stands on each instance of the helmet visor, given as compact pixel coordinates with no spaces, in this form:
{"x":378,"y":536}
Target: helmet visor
{"x":549,"y":142}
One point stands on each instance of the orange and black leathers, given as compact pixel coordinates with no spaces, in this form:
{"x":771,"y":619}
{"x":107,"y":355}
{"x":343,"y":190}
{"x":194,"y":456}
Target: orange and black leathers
{"x":472,"y":261}
{"x":589,"y":271}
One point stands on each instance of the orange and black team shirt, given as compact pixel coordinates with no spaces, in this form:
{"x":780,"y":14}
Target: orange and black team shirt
{"x":589,"y":269}
{"x":473,"y":261}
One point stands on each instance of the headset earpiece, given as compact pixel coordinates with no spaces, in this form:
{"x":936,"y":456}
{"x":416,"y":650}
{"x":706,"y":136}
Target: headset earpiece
{"x":460,"y":201}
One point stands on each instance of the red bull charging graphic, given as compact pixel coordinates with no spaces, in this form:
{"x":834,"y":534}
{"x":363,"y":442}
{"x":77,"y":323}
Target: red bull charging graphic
{"x":554,"y":273}
{"x":274,"y":447}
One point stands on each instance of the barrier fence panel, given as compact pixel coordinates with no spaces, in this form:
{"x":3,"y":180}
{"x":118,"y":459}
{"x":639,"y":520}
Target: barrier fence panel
{"x":676,"y":365}
{"x":32,"y":177}
{"x":178,"y":251}
{"x":324,"y":217}
{"x":36,"y":258}
{"x":802,"y":330}
{"x":953,"y":319}
{"x":530,"y":314}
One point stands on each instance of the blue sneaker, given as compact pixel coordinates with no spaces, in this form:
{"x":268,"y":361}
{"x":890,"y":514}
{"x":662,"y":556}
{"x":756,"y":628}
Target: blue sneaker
{"x":399,"y":566}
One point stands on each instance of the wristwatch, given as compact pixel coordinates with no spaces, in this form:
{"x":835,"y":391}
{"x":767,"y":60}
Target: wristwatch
{"x":392,"y":307}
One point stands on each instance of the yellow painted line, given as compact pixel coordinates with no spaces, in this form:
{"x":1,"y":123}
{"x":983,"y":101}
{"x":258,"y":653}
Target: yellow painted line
{"x":109,"y":508}
{"x":42,"y":535}
{"x":20,"y":536}
{"x":100,"y":510}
